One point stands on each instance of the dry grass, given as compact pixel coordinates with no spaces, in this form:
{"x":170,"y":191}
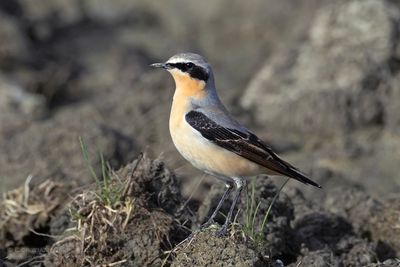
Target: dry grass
{"x":103,"y":228}
{"x":28,"y":208}
{"x":127,"y":217}
{"x":95,"y":219}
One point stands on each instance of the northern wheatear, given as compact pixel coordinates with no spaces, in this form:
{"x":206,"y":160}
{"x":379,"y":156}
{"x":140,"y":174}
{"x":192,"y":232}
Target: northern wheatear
{"x":207,"y":136}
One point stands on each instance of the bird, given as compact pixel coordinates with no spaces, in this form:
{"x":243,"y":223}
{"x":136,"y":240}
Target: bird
{"x":208,"y":136}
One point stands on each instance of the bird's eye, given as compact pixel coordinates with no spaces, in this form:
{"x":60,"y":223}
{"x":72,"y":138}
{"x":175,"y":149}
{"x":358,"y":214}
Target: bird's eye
{"x":189,"y":65}
{"x":184,"y":66}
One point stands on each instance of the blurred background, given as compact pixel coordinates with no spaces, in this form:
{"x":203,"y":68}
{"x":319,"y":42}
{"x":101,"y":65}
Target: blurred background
{"x":318,"y":80}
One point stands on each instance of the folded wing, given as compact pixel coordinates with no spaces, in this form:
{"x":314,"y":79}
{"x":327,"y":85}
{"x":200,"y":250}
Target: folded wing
{"x":244,"y":144}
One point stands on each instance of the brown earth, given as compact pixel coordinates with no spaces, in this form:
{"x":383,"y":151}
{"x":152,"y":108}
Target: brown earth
{"x":318,"y":80}
{"x":143,"y":221}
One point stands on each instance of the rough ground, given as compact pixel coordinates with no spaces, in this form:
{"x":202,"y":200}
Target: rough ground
{"x":318,"y":80}
{"x":139,"y":218}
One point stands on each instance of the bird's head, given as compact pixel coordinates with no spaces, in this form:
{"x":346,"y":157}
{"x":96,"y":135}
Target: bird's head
{"x":189,"y":70}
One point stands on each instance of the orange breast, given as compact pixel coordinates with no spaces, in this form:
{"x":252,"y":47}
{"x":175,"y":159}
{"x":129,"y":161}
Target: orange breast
{"x":187,"y":86}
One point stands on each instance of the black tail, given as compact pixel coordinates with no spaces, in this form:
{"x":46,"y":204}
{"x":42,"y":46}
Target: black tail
{"x":299,"y":176}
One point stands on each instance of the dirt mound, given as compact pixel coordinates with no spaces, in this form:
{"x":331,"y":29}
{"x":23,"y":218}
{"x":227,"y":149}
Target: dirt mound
{"x":130,"y":217}
{"x":205,"y":249}
{"x":131,"y":221}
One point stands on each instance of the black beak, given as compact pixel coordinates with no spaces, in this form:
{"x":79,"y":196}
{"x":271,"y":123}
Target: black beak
{"x":159,"y":65}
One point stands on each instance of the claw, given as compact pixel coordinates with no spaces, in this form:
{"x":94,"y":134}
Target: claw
{"x":222,"y":232}
{"x":207,"y":224}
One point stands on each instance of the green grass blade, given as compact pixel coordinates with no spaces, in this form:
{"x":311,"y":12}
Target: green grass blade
{"x":254,"y":218}
{"x":104,"y":170}
{"x":272,"y":203}
{"x":86,"y":158}
{"x":252,"y":198}
{"x":247,"y":207}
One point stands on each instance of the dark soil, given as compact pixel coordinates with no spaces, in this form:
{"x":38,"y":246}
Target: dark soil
{"x":148,"y":221}
{"x":318,"y":80}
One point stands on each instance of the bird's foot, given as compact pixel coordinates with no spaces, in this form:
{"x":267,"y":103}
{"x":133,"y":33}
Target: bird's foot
{"x":190,"y":237}
{"x":206,"y":224}
{"x":201,"y":228}
{"x":223,"y":231}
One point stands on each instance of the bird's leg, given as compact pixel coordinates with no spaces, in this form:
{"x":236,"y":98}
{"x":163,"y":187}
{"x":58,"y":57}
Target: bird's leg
{"x":239,"y":183}
{"x":215,"y":213}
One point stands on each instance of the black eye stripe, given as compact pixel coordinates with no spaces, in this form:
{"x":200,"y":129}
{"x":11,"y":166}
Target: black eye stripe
{"x":194,"y":71}
{"x":182,"y":66}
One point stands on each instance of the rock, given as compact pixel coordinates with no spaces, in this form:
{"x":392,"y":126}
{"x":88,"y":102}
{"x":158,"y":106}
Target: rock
{"x":346,"y":60}
{"x":335,"y":94}
{"x":335,"y":74}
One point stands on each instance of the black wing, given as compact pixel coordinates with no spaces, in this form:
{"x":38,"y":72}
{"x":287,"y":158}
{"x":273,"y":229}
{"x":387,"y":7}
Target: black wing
{"x":244,"y":144}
